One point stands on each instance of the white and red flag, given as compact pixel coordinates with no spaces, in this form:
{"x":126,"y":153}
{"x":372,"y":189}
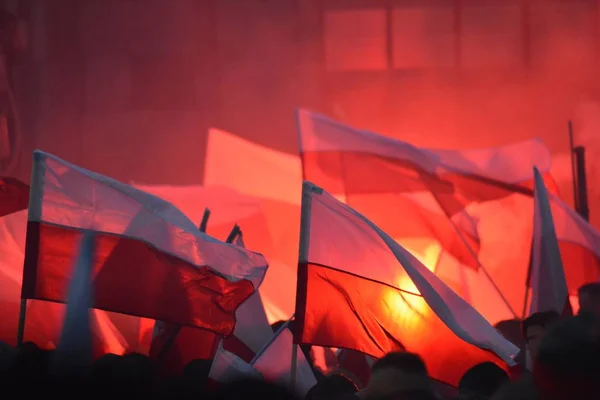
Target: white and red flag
{"x":359,"y":289}
{"x":150,"y":260}
{"x":410,"y":191}
{"x":548,"y":283}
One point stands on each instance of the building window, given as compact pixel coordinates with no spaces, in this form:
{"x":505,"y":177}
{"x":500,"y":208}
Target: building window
{"x":423,"y":37}
{"x":563,"y":32}
{"x":491,"y":34}
{"x":355,"y":40}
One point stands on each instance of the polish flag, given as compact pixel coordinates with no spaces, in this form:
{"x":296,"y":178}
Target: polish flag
{"x":359,"y":289}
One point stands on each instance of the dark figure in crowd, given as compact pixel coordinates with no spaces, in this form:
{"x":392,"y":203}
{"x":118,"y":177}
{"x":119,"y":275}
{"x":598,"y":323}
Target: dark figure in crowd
{"x":589,"y":299}
{"x":397,"y":373}
{"x":536,"y":326}
{"x":409,"y":395}
{"x":523,"y":389}
{"x":252,"y":389}
{"x":567,"y":365}
{"x":332,"y":387}
{"x":511,"y":330}
{"x":481,"y":382}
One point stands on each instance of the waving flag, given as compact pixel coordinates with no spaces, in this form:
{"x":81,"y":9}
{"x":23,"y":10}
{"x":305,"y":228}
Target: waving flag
{"x":252,"y":329}
{"x":275,"y":360}
{"x":189,"y":278}
{"x":174,"y":346}
{"x":272,"y":179}
{"x":359,"y":289}
{"x":579,"y":244}
{"x":44,"y":321}
{"x":228,"y":368}
{"x":378,"y":176}
{"x":549,"y":287}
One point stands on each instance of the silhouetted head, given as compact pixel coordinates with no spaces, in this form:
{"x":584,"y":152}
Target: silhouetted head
{"x":535,"y":327}
{"x":30,"y":361}
{"x":481,"y":381}
{"x":523,"y":389}
{"x":408,"y":395}
{"x":253,"y":389}
{"x":398,"y":372}
{"x":568,"y":361}
{"x":589,"y":299}
{"x":330,"y":387}
{"x":511,"y":330}
{"x":195,"y":375}
{"x":111,"y":375}
{"x":7,"y":356}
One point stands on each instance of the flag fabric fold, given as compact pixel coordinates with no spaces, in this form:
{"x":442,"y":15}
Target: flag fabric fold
{"x":579,"y":244}
{"x":359,"y":289}
{"x":378,"y":176}
{"x":189,"y":278}
{"x":274,"y":362}
{"x":228,"y":368}
{"x":44,"y":321}
{"x":268,"y":226}
{"x":252,"y":328}
{"x":175,"y":346}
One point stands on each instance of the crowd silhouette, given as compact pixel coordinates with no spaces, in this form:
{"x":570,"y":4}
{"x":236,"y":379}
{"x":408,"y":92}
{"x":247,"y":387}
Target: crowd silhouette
{"x":564,"y":363}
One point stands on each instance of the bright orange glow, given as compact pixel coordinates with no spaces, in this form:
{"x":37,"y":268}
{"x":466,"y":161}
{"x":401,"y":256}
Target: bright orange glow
{"x":428,"y":253}
{"x":406,"y":308}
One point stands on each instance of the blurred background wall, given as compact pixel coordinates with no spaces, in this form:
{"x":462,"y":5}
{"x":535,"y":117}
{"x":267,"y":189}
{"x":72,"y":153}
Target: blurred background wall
{"x":129,"y":87}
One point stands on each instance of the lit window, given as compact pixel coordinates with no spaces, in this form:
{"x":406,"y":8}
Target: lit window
{"x":423,"y":37}
{"x":355,"y":39}
{"x":491,"y":35}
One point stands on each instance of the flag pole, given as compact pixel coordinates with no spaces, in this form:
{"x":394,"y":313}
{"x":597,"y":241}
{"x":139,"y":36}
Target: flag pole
{"x":235,"y":232}
{"x":472,"y":252}
{"x":582,"y":206}
{"x":204,"y":222}
{"x":305,"y":214}
{"x":34,"y":213}
{"x":480,"y":266}
{"x":573,"y":166}
{"x":528,"y":281}
{"x":294,"y":366}
{"x":21,"y":327}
